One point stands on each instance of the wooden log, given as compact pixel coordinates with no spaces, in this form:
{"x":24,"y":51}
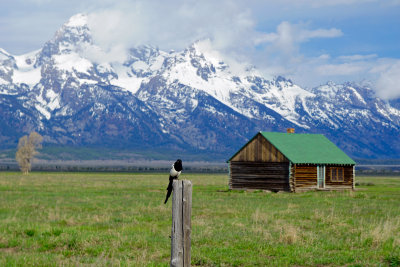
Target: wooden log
{"x":259,"y":175}
{"x":187,"y":221}
{"x":306,"y":176}
{"x":177,"y":228}
{"x":181,"y":223}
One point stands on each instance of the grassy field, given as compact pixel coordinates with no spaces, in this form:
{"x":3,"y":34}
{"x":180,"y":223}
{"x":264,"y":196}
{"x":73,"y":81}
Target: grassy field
{"x":111,"y":219}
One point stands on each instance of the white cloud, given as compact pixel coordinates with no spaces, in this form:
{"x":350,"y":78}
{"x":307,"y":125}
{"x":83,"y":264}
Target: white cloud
{"x":172,"y":24}
{"x":384,"y":73}
{"x":288,"y":37}
{"x":388,"y":83}
{"x":327,"y":3}
{"x":280,"y":52}
{"x":39,"y":2}
{"x":289,"y":34}
{"x":324,"y":57}
{"x":116,"y":53}
{"x":346,"y":69}
{"x":358,"y":57}
{"x":320,"y":33}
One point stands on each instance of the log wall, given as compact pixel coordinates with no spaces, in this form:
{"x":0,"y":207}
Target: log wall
{"x":259,"y":150}
{"x":305,"y":177}
{"x":272,"y":176}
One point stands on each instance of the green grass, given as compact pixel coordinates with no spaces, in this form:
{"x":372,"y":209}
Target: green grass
{"x":103,"y":219}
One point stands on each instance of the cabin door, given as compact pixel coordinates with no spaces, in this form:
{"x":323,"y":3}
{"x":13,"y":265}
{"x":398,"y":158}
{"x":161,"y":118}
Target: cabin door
{"x":321,"y":176}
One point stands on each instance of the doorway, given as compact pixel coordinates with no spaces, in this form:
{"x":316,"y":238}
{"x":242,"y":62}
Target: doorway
{"x":321,"y":176}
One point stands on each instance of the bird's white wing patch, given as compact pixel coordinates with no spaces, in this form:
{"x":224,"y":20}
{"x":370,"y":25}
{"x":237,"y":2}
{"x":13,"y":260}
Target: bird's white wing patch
{"x":174,"y":173}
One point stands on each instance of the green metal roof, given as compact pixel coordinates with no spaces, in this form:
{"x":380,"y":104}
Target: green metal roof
{"x":307,"y":148}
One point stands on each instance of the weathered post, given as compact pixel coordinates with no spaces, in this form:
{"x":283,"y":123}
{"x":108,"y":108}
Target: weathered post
{"x":181,"y":223}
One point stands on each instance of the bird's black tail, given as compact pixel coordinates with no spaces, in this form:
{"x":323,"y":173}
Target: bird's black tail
{"x":169,"y":189}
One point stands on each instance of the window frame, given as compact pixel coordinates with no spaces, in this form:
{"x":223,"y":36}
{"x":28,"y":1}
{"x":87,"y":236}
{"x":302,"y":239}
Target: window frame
{"x":334,"y":171}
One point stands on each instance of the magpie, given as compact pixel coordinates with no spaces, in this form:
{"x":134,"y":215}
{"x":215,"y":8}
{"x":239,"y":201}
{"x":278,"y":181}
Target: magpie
{"x":174,"y":173}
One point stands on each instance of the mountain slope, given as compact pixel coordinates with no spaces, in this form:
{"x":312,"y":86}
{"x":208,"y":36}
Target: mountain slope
{"x":189,"y":100}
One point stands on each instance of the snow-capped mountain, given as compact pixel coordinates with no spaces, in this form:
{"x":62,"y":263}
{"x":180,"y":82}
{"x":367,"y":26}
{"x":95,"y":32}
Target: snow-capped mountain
{"x":71,"y":93}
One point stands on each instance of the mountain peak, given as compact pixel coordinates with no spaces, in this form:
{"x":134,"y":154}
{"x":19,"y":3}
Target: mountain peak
{"x":78,"y":20}
{"x":67,"y":39}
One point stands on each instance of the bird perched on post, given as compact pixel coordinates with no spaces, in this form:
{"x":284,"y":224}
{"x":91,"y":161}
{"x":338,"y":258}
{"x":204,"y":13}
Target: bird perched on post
{"x":174,"y":173}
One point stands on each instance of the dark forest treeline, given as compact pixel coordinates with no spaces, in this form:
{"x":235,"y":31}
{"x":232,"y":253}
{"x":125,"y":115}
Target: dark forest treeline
{"x":72,"y":168}
{"x":375,"y":170}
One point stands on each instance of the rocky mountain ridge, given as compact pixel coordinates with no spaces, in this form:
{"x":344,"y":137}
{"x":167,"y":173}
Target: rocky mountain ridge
{"x":189,"y":100}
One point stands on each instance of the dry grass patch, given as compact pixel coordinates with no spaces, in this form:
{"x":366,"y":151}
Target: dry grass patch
{"x":385,"y":230}
{"x":261,"y":224}
{"x":289,"y":234}
{"x":262,"y":231}
{"x":260,"y":217}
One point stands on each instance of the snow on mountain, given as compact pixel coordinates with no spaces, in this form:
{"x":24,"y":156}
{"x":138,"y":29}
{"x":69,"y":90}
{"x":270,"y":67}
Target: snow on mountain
{"x":78,"y":20}
{"x":4,"y":55}
{"x":25,"y":71}
{"x":184,"y":100}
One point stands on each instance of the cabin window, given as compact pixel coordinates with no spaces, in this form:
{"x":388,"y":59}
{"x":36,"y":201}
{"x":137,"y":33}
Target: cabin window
{"x":337,"y":174}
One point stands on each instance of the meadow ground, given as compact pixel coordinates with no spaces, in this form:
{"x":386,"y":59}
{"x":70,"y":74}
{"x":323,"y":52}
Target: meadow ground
{"x":111,"y":219}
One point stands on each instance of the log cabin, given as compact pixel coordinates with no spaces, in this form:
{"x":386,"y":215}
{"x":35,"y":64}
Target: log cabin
{"x":291,"y":162}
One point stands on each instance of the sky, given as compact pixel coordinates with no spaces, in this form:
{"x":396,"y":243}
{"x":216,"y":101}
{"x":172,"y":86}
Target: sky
{"x":309,"y":41}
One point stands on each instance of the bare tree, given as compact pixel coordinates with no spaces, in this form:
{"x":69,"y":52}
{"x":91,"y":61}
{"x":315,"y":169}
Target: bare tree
{"x":27,"y":146}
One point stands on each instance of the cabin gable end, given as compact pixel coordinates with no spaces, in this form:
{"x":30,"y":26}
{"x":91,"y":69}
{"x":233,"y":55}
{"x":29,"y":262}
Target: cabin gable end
{"x":259,"y":149}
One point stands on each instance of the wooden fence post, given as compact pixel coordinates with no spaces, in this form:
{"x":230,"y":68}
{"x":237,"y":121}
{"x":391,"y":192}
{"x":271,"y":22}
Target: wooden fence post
{"x":181,"y":223}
